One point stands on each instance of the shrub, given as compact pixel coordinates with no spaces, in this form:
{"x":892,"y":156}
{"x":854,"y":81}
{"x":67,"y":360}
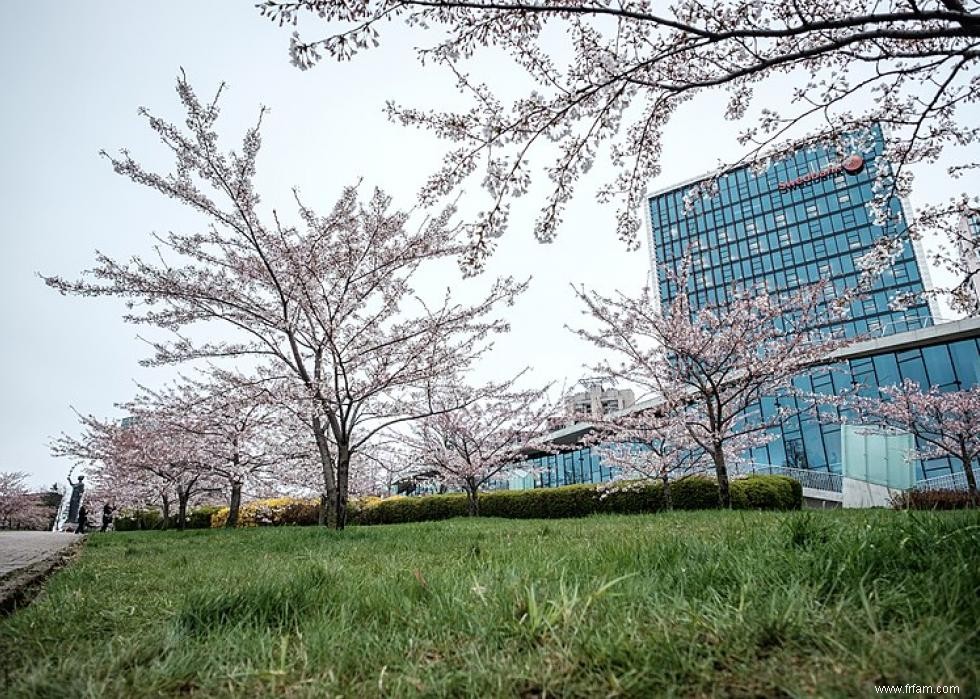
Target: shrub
{"x":132,"y":520}
{"x":271,"y":512}
{"x":399,"y":509}
{"x":543,"y":503}
{"x":933,"y":500}
{"x":632,"y":497}
{"x":766,"y":493}
{"x":694,"y":493}
{"x":200,"y":517}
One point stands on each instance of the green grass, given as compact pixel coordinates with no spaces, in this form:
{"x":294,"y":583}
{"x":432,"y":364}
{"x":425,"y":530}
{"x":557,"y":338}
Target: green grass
{"x":678,"y":604}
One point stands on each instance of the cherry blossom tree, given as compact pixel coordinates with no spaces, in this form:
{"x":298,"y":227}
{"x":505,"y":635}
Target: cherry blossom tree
{"x":145,"y":459}
{"x":19,"y":507}
{"x":328,"y":300}
{"x":236,"y":436}
{"x":710,"y":368}
{"x":613,"y":75}
{"x":648,"y":444}
{"x":945,"y":423}
{"x":491,"y":434}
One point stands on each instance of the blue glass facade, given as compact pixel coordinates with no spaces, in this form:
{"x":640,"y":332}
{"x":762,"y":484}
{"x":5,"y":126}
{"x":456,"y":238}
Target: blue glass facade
{"x":775,"y":230}
{"x":801,"y":221}
{"x":805,"y":440}
{"x":567,"y":468}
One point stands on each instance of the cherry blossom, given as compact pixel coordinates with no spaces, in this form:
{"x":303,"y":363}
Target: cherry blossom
{"x":610,"y":77}
{"x":327,"y":300}
{"x":709,"y":369}
{"x":645,"y":445}
{"x":945,"y":423}
{"x":19,"y":507}
{"x":143,"y":461}
{"x":492,"y":431}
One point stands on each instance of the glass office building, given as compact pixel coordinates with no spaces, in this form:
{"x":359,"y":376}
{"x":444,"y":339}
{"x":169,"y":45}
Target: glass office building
{"x":802,"y":220}
{"x":946,"y":356}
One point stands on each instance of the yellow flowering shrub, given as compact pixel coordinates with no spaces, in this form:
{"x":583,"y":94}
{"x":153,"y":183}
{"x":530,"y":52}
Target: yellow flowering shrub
{"x":271,"y":513}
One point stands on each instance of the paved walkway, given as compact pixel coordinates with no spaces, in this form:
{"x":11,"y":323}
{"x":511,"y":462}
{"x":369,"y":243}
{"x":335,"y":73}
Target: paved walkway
{"x":21,"y":549}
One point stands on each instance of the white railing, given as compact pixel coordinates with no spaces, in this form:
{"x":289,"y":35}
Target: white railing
{"x":951,"y":481}
{"x":808,"y":478}
{"x":822,"y":480}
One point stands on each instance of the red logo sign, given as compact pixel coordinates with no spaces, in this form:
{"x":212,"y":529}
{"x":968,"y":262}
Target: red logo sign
{"x":852,"y":165}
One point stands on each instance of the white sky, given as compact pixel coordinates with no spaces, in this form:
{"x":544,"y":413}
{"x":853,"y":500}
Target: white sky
{"x":75,"y":73}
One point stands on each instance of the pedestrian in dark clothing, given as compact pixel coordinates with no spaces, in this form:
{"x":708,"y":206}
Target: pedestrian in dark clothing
{"x":82,"y":520}
{"x":106,"y":516}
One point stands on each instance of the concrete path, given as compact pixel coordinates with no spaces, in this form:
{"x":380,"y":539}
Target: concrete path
{"x":26,"y":561}
{"x":22,"y":549}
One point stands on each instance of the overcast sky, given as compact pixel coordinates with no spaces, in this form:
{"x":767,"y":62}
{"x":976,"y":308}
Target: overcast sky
{"x":73,"y":77}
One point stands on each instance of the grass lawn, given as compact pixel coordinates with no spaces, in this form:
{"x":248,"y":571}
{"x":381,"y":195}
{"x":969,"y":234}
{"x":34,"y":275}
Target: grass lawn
{"x":685,"y":604}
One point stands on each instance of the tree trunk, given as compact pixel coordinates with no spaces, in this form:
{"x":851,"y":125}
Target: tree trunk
{"x":668,"y":505}
{"x":183,"y":495}
{"x":328,"y":513}
{"x":721,"y":472}
{"x":321,"y":516}
{"x":166,"y":512}
{"x":971,"y":479}
{"x":472,"y":500}
{"x":235,"y":504}
{"x":343,"y":481}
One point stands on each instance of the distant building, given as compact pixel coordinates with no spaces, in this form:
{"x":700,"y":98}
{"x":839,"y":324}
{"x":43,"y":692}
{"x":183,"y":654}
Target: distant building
{"x":596,"y":401}
{"x":967,"y":242}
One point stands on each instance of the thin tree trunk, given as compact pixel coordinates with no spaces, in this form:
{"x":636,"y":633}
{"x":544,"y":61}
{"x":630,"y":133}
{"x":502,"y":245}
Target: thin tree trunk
{"x":343,"y":481}
{"x":166,"y":512}
{"x":321,"y":518}
{"x":183,"y":495}
{"x":472,"y":500}
{"x":328,"y":513}
{"x":721,"y":472}
{"x":235,"y":504}
{"x":971,"y":479}
{"x":668,"y":505}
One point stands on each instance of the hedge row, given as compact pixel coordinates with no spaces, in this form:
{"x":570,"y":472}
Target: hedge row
{"x":271,"y":513}
{"x":130,"y":520}
{"x":934,"y":500}
{"x":698,"y":493}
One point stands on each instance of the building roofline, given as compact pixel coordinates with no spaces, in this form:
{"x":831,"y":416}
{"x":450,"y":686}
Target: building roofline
{"x":648,"y":195}
{"x":949,"y":331}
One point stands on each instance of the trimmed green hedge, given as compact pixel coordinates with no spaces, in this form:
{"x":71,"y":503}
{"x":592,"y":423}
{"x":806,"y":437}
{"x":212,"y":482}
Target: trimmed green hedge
{"x":696,"y":493}
{"x":131,"y":520}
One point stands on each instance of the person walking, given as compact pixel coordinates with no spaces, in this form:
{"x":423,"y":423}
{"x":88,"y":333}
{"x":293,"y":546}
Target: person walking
{"x":82,"y":520}
{"x":106,"y":516}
